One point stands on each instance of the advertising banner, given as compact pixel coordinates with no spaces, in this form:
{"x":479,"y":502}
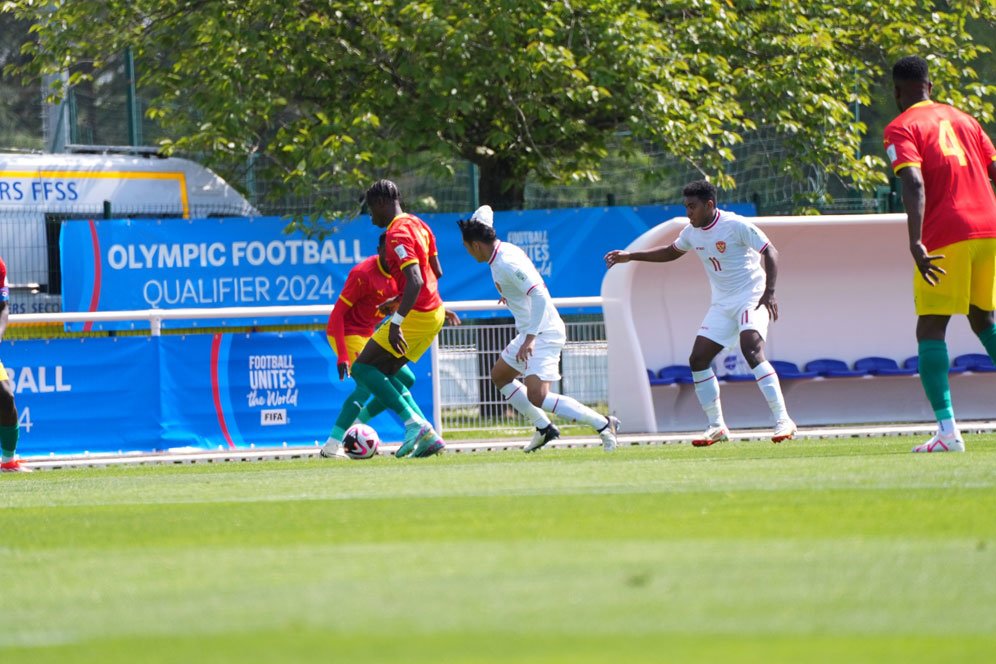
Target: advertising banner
{"x":137,"y":264}
{"x":85,"y":395}
{"x":265,"y":389}
{"x":130,"y":394}
{"x":120,"y":265}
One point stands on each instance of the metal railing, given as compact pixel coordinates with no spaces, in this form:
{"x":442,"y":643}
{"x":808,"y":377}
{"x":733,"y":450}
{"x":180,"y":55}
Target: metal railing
{"x":464,"y":398}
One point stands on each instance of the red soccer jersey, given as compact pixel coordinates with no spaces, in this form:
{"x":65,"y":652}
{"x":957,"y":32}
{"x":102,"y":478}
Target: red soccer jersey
{"x":4,"y":290}
{"x":367,"y":287}
{"x":410,"y":241}
{"x":953,"y":153}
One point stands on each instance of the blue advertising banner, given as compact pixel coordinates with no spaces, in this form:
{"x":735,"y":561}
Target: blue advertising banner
{"x":264,"y":389}
{"x":125,"y":264}
{"x":131,"y":394}
{"x":85,"y":395}
{"x":117,"y":265}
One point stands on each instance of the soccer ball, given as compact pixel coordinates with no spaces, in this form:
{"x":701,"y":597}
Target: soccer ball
{"x":360,"y":442}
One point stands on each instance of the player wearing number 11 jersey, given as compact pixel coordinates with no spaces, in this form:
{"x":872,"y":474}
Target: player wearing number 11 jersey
{"x":743,"y":298}
{"x":947,"y":165}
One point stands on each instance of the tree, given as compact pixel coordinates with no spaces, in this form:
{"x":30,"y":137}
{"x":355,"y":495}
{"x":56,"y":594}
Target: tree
{"x":324,"y":93}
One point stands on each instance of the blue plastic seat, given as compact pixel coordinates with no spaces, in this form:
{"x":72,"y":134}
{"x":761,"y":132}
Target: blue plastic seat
{"x":832,"y":368}
{"x":974,"y":362}
{"x":882,"y":366}
{"x":790,"y":370}
{"x":654,"y":380}
{"x":676,"y":373}
{"x":912,"y":363}
{"x":738,"y":378}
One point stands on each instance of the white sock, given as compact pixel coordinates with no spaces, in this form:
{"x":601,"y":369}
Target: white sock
{"x":707,"y":390}
{"x":949,"y":428}
{"x":572,"y":409}
{"x":767,"y":381}
{"x":515,"y":395}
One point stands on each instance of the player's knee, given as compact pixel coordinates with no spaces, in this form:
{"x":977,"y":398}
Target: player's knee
{"x":699,"y":362}
{"x":980,"y":320}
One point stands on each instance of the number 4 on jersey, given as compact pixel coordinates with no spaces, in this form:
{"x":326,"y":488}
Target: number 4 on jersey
{"x":950,"y":145}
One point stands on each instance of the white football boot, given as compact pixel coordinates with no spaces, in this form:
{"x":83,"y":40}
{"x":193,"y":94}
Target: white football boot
{"x":332,"y":449}
{"x":608,"y":434}
{"x":716,"y":433}
{"x":784,"y":430}
{"x":939,"y":443}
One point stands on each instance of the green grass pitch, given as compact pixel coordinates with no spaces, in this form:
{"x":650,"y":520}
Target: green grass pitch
{"x":840,"y":550}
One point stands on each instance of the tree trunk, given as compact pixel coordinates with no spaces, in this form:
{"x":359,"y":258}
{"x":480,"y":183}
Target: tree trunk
{"x":499,"y":186}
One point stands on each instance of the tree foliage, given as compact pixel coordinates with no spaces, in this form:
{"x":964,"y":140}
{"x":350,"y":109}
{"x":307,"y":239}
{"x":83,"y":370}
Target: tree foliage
{"x":325,"y":92}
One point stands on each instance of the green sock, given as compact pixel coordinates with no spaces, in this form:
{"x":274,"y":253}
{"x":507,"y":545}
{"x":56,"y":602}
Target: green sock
{"x":373,"y":408}
{"x":350,"y":409}
{"x":406,"y":395}
{"x":402,"y":380}
{"x":988,"y":339}
{"x":934,"y":365}
{"x":8,"y":441}
{"x":381,"y":387}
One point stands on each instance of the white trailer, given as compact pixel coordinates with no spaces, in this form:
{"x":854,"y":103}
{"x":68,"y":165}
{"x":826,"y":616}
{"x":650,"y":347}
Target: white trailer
{"x":40,"y":191}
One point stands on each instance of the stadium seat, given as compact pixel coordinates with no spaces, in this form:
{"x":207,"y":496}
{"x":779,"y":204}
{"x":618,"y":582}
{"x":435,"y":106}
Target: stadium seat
{"x":882,"y":366}
{"x":654,"y":380}
{"x":832,"y":368}
{"x":738,"y":378}
{"x":974,"y":362}
{"x":912,"y":363}
{"x":676,"y":373}
{"x":790,"y":371}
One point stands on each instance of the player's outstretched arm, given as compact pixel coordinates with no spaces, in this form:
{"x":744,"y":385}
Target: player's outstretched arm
{"x":655,"y":255}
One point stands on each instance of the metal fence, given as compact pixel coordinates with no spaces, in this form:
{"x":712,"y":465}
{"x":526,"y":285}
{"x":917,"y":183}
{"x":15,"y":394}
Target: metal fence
{"x":470,"y":402}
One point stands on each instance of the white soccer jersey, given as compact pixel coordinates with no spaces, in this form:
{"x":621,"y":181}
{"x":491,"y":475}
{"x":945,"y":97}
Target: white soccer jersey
{"x":515,"y":278}
{"x":730,"y":249}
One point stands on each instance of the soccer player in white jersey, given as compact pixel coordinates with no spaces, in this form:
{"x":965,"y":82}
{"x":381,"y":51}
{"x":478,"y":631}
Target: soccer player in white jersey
{"x":743,"y":300}
{"x":535,"y":351}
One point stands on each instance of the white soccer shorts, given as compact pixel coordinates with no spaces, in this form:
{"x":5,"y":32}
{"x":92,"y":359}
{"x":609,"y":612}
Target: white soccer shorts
{"x":723,"y":323}
{"x":545,"y":360}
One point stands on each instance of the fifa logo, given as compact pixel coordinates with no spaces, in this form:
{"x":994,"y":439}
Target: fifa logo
{"x":269,"y":418}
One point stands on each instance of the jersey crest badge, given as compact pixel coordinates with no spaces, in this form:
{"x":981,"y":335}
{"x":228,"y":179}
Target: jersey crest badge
{"x":721,"y":247}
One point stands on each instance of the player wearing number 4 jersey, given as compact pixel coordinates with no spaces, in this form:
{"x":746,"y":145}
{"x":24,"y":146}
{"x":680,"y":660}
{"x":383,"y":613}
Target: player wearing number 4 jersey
{"x":9,"y":429}
{"x":534,"y":353}
{"x":947,"y":165}
{"x":743,"y":299}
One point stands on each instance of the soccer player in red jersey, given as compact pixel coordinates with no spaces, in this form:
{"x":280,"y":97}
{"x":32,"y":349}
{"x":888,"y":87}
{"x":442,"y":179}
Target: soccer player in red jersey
{"x":369,"y":294}
{"x":947,"y":165}
{"x":412,"y":329}
{"x":9,"y":430}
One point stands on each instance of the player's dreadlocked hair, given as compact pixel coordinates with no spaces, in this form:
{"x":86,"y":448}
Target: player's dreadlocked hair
{"x":700,"y":189}
{"x":382,"y":190}
{"x":475,"y":231}
{"x":912,"y":68}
